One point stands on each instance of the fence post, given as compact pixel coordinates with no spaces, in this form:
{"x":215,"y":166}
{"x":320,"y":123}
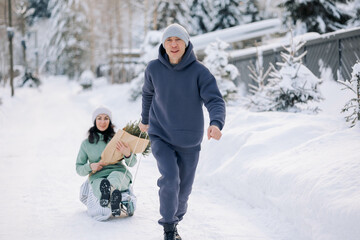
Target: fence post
{"x":10,"y":33}
{"x":339,"y":59}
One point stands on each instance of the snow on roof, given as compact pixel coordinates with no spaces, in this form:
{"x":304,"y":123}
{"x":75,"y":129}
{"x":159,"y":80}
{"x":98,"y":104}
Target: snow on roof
{"x":238,"y":33}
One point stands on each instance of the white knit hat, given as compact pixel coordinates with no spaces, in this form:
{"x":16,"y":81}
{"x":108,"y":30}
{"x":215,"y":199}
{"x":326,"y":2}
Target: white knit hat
{"x":101,"y":110}
{"x":176,"y":30}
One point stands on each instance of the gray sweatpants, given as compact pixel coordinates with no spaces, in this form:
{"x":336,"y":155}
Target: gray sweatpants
{"x":177,"y":169}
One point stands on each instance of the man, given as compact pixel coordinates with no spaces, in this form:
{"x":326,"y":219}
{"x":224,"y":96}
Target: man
{"x":176,"y":87}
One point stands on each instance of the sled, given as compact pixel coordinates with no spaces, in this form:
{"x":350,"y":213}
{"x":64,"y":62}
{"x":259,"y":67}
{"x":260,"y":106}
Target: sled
{"x":128,"y":201}
{"x":127,"y":204}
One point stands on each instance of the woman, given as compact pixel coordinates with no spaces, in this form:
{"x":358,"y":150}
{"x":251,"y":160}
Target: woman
{"x":107,"y":182}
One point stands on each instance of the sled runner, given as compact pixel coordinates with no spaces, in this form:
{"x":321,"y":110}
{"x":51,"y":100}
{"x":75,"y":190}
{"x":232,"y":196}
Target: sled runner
{"x":128,"y":202}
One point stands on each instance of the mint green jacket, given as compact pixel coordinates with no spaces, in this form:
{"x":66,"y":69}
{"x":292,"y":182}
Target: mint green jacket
{"x":91,"y":153}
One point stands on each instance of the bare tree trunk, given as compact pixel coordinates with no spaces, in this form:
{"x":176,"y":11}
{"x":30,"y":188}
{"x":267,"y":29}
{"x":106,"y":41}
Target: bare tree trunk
{"x":130,"y":31}
{"x":358,"y":97}
{"x":92,"y":41}
{"x":120,"y":47}
{"x":2,"y":69}
{"x":10,"y":36}
{"x":36,"y":54}
{"x":130,"y":40}
{"x":23,"y":42}
{"x":146,"y":6}
{"x":111,"y":50}
{"x":155,"y":15}
{"x":130,"y":26}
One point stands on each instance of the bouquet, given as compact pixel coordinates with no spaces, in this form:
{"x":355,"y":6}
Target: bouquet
{"x":131,"y":135}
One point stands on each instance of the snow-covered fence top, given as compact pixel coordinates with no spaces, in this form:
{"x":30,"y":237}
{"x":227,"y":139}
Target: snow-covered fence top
{"x":337,"y":51}
{"x":238,"y":33}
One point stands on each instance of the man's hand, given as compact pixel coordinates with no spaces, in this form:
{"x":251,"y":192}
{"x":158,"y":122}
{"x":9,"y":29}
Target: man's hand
{"x":214,"y":132}
{"x":143,"y":127}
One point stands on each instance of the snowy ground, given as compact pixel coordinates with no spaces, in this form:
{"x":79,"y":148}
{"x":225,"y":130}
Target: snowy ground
{"x":273,"y":176}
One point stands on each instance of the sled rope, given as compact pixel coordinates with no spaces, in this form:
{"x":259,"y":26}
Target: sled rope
{"x":131,"y":158}
{"x":137,"y":168}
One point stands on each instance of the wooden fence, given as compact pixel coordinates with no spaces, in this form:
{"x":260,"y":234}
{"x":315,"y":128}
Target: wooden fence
{"x":337,"y":51}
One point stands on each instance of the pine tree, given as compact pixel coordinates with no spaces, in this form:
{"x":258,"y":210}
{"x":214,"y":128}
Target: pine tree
{"x":40,"y":10}
{"x":355,"y":16}
{"x":173,"y":11}
{"x":201,"y":11}
{"x":353,"y":106}
{"x":226,"y":14}
{"x":214,"y":15}
{"x":250,"y":11}
{"x":316,"y":15}
{"x":216,"y":61}
{"x":258,"y":100}
{"x":68,"y":43}
{"x":149,"y":51}
{"x":292,"y":86}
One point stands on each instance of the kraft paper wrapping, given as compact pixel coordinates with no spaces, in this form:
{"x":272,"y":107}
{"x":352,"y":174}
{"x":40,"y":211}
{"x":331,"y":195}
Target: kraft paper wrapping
{"x":111,"y":156}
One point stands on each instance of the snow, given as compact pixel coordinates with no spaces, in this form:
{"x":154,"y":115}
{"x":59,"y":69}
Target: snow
{"x":87,"y":77}
{"x":275,"y":44}
{"x":356,"y":71}
{"x":216,"y":60}
{"x":272,"y":176}
{"x":238,"y":33}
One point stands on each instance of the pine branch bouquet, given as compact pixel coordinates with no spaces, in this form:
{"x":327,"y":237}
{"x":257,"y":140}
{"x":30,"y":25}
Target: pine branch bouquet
{"x":131,"y":135}
{"x":133,"y":129}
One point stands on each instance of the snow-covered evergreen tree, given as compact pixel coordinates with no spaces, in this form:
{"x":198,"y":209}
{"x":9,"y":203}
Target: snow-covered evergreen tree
{"x":68,"y":43}
{"x":226,"y":14}
{"x":202,"y":12}
{"x":353,"y":106}
{"x":258,"y":100}
{"x":354,"y":8}
{"x":294,"y":85}
{"x":40,"y":9}
{"x":216,"y":61}
{"x":291,"y":87}
{"x":315,"y":15}
{"x":250,"y":11}
{"x":149,"y":51}
{"x":87,"y":78}
{"x":173,"y":11}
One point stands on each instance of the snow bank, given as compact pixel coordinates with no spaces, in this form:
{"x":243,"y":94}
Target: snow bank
{"x":304,"y":168}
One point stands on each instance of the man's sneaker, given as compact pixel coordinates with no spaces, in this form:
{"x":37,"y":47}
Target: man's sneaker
{"x":105,"y":192}
{"x":115,"y":203}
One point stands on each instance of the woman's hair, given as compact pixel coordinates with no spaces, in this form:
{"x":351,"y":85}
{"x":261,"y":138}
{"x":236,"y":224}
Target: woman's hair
{"x":108,"y":133}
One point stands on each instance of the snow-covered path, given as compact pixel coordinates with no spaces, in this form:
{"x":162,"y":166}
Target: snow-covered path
{"x":41,"y":132}
{"x":272,"y":176}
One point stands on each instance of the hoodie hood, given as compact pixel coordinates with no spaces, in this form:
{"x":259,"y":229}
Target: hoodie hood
{"x":188,"y":58}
